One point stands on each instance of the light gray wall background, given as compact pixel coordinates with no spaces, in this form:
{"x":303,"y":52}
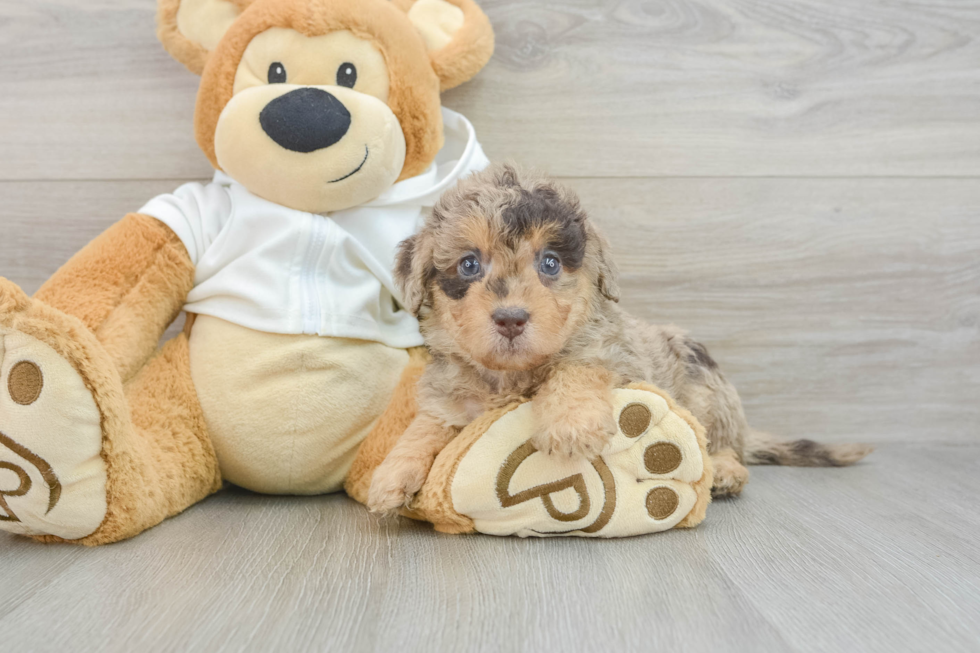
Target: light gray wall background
{"x":794,"y":182}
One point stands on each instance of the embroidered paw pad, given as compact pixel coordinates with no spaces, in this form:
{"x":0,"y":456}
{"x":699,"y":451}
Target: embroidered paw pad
{"x":643,"y":482}
{"x":52,"y":477}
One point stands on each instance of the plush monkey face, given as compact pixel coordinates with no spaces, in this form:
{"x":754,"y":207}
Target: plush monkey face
{"x":321,"y":105}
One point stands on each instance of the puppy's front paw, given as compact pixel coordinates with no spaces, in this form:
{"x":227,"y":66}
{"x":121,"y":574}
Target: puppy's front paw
{"x":395,"y":484}
{"x":579,"y":431}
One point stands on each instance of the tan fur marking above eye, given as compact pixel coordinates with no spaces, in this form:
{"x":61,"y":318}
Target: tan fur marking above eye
{"x":25,"y":383}
{"x":474,"y":234}
{"x":539,"y":237}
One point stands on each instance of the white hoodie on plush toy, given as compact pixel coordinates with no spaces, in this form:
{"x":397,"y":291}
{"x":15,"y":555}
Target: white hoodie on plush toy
{"x":286,"y":409}
{"x":274,"y":269}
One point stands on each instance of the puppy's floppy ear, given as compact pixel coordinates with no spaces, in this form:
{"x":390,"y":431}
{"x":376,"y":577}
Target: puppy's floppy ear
{"x":608,"y":280}
{"x":457,"y":34}
{"x":190,"y":29}
{"x":413,"y":271}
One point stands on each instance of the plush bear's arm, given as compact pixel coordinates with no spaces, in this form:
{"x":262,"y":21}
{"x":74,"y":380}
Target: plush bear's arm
{"x":127,"y":286}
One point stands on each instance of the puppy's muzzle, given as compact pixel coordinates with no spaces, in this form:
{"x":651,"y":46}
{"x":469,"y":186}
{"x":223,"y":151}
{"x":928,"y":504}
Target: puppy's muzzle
{"x":305,"y":120}
{"x":510,"y":321}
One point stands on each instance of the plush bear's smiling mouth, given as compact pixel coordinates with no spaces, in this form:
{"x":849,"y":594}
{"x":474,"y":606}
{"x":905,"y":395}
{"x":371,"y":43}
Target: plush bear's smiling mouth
{"x":355,"y":171}
{"x":306,"y":163}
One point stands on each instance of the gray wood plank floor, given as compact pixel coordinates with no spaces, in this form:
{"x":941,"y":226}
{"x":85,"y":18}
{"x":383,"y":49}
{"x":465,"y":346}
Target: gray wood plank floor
{"x":881,"y":557}
{"x":797,"y":182}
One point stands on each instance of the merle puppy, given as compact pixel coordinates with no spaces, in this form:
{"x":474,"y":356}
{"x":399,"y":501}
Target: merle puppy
{"x":516,"y":295}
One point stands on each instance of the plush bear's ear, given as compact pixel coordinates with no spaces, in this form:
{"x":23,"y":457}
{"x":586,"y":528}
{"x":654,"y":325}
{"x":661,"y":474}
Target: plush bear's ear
{"x":457,"y":33}
{"x":190,"y":29}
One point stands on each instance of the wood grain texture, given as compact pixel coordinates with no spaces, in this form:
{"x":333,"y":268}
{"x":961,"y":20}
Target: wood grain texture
{"x":623,"y":87}
{"x":880,"y":557}
{"x":841,"y":309}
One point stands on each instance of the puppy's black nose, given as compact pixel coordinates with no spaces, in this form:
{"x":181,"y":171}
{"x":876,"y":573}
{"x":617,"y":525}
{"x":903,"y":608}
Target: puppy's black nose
{"x":510,"y":321}
{"x":305,"y":120}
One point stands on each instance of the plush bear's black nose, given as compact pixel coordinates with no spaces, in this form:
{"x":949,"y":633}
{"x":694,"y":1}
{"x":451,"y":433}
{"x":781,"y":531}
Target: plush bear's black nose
{"x":305,"y":120}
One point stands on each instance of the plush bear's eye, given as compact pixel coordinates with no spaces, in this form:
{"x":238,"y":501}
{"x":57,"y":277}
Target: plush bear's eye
{"x":347,"y":75}
{"x":277,"y":73}
{"x":550,"y":265}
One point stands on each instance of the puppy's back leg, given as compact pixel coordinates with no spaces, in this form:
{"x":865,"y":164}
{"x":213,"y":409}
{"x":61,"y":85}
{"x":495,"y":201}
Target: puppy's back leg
{"x":716,"y":404}
{"x":730,"y":474}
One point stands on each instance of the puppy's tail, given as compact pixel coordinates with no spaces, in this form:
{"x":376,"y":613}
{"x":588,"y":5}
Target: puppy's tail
{"x":764,"y":449}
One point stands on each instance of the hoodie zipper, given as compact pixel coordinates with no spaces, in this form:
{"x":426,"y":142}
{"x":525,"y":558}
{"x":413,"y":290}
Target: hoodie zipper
{"x":312,"y":312}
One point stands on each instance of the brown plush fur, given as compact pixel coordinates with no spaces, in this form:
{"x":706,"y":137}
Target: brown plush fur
{"x":576,"y":344}
{"x":158,"y":456}
{"x":187,"y":52}
{"x":470,"y":49}
{"x":170,"y":454}
{"x":126,"y":286}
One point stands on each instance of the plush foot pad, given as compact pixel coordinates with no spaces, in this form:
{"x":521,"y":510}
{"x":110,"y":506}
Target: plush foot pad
{"x":52,"y":478}
{"x":652,"y":476}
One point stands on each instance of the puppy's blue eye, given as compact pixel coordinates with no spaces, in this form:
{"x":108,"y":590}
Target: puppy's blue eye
{"x":550,"y":265}
{"x":469,"y":267}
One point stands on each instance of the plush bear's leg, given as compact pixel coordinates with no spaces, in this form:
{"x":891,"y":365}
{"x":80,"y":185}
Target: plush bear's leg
{"x":83,"y":457}
{"x":165,"y":462}
{"x":126,"y":286}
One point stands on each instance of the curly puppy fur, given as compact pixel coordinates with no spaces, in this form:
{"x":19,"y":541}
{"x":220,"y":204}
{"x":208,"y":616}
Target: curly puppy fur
{"x":516,"y":295}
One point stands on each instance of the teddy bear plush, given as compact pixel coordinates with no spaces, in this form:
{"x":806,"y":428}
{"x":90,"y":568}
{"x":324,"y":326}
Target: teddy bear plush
{"x":324,"y":123}
{"x":295,"y":371}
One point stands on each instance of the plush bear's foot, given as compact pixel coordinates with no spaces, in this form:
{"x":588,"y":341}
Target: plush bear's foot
{"x":52,"y":476}
{"x":654,"y":474}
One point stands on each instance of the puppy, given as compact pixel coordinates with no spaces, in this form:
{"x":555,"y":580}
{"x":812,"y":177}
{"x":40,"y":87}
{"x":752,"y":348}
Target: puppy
{"x":516,"y":295}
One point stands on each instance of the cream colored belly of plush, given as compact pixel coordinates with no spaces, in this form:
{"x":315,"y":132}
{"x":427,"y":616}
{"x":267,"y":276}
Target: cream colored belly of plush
{"x":286,"y":413}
